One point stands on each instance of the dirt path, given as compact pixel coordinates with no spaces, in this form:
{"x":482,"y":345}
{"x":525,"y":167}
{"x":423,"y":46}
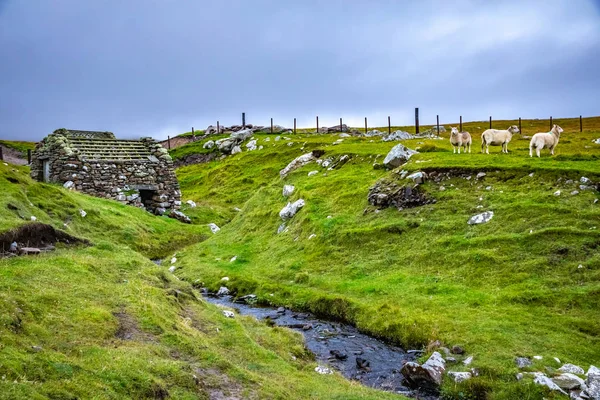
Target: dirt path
{"x":13,"y":156}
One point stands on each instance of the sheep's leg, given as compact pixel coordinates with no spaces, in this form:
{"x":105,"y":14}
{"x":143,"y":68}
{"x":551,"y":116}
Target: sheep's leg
{"x":459,"y":146}
{"x":552,"y":150}
{"x":469,"y":147}
{"x":537,"y":150}
{"x":453,"y":149}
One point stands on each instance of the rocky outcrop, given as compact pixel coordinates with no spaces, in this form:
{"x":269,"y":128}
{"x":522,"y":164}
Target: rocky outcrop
{"x":390,"y":194}
{"x":481,"y":218}
{"x":427,"y":376}
{"x":398,"y":156}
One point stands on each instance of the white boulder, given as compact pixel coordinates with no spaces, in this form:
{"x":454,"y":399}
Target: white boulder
{"x":288,"y":190}
{"x":214,"y":228}
{"x":398,"y":155}
{"x":481,"y":218}
{"x":291,"y":209}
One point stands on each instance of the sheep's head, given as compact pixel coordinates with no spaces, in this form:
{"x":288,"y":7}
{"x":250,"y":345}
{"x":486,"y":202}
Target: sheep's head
{"x":514,"y":129}
{"x":557,"y":129}
{"x":454,"y":131}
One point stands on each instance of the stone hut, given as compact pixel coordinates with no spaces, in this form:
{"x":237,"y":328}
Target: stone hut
{"x":135,"y":172}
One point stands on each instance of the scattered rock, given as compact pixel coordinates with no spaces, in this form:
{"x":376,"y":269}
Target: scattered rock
{"x":236,"y":150}
{"x":597,"y":141}
{"x":300,"y":162}
{"x":281,"y":310}
{"x":288,"y":190}
{"x":178,"y":215}
{"x":225,"y":279}
{"x":417,"y":177}
{"x":312,"y":236}
{"x":428,"y":376}
{"x":228,"y":314}
{"x":323,"y":370}
{"x":338,"y":355}
{"x":557,"y":193}
{"x":223,"y":291}
{"x":82,"y":213}
{"x":538,"y":357}
{"x":313,"y":173}
{"x":69,"y":185}
{"x":233,"y":259}
{"x":191,"y":203}
{"x":481,"y":175}
{"x":468,"y":360}
{"x":541,"y":379}
{"x":281,"y":228}
{"x":459,"y":376}
{"x":214,"y":228}
{"x":568,"y":381}
{"x":29,"y":251}
{"x":523,"y":362}
{"x":573,"y":369}
{"x":593,"y":383}
{"x":399,"y":155}
{"x":172,"y":268}
{"x":209,"y":145}
{"x":585,"y":181}
{"x":37,"y":349}
{"x":33,"y":218}
{"x":251,"y":145}
{"x":361,"y":363}
{"x":481,"y":218}
{"x":291,"y":209}
{"x":397,"y":135}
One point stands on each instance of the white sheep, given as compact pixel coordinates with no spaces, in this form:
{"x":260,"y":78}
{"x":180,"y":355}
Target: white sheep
{"x":460,"y":139}
{"x":545,"y":139}
{"x":496,"y":137}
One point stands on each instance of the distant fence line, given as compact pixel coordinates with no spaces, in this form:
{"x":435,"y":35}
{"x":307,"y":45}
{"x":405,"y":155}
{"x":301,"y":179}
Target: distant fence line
{"x":389,"y":120}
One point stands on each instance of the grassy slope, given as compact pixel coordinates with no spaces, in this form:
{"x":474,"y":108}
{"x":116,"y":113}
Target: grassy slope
{"x":19,"y":146}
{"x":74,"y":302}
{"x":510,"y":287}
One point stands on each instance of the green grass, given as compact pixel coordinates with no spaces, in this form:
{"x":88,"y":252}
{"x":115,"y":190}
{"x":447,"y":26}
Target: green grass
{"x":18,"y":145}
{"x":507,"y":288}
{"x":104,"y":322}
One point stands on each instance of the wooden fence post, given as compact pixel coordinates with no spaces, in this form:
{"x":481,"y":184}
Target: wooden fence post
{"x":490,"y":122}
{"x":1,"y":154}
{"x":294,"y":125}
{"x":271,"y":125}
{"x":341,"y":124}
{"x":551,"y":122}
{"x":243,"y":120}
{"x":28,"y":156}
{"x":580,"y":124}
{"x":437,"y":117}
{"x":193,"y":134}
{"x":389,"y":125}
{"x":317,"y":124}
{"x":169,"y":142}
{"x":365,"y":125}
{"x":461,"y":123}
{"x":218,"y":127}
{"x":520,"y":131}
{"x":417,"y":120}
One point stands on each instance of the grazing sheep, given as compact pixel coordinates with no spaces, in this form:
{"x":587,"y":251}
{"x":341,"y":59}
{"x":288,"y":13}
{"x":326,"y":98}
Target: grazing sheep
{"x":545,"y":139}
{"x":460,"y":139}
{"x":496,"y":137}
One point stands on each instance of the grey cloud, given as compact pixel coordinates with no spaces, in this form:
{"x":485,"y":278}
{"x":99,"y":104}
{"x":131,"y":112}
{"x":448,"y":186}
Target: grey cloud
{"x":160,"y":67}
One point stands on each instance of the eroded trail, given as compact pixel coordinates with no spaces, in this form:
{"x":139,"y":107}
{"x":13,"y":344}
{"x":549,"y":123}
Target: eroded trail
{"x":339,"y":346}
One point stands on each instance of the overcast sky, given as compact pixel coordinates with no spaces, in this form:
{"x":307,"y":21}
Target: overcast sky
{"x":157,"y":68}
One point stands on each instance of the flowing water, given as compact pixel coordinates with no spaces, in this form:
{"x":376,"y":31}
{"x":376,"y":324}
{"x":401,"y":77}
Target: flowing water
{"x":339,"y":346}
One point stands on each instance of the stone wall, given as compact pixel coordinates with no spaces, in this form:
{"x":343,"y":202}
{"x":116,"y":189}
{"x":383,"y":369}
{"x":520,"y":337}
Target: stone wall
{"x":149,"y":183}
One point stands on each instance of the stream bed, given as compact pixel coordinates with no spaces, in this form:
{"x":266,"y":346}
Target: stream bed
{"x":339,"y":346}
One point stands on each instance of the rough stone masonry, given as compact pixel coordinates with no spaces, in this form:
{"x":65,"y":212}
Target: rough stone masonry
{"x":135,"y":172}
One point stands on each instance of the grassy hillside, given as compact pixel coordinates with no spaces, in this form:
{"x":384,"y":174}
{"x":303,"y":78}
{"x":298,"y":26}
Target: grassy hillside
{"x":104,"y":322}
{"x":524,"y":284}
{"x":20,"y":146}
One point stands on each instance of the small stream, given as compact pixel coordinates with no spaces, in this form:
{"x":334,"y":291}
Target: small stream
{"x":339,"y":346}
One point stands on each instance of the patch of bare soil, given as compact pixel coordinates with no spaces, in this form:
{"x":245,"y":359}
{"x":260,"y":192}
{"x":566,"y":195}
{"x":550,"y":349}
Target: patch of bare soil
{"x":219,"y":386}
{"x":13,"y":156}
{"x":130,"y":330}
{"x":36,"y":235}
{"x":195,"y":159}
{"x":177,"y":142}
{"x":389,"y":194}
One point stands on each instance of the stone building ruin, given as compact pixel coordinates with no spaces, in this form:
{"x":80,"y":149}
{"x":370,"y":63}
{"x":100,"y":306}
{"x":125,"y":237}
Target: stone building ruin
{"x":135,"y":172}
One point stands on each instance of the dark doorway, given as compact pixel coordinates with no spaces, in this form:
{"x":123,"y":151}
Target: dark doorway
{"x":146,"y":196}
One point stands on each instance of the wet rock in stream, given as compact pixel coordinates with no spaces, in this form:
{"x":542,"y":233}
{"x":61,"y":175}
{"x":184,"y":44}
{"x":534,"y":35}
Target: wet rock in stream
{"x":341,"y":347}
